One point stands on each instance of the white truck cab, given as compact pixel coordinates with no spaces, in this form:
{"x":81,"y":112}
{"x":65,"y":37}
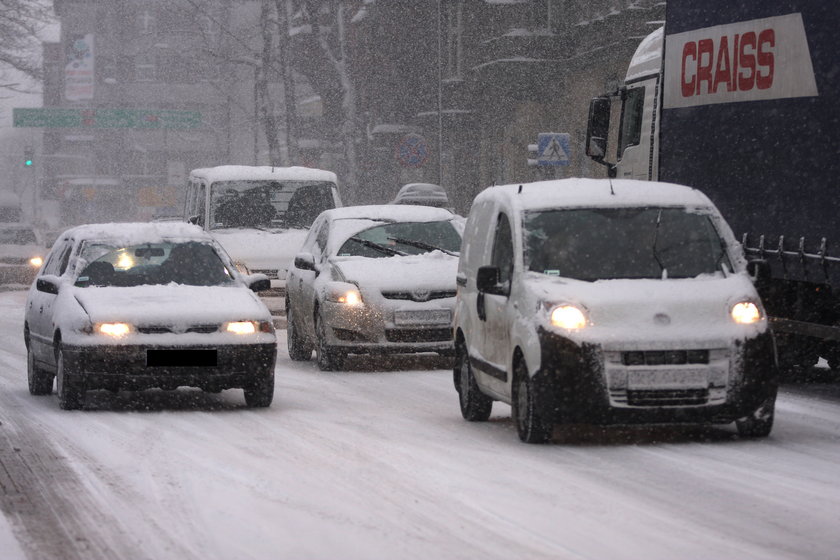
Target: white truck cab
{"x":608,"y":302}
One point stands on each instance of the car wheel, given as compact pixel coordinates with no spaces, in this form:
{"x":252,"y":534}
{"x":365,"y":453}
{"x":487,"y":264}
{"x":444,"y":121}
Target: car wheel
{"x":759,"y":424}
{"x":329,"y":359}
{"x":71,"y":395}
{"x":40,"y":381}
{"x":530,"y":427}
{"x":475,"y":405}
{"x":300,"y":349}
{"x":259,"y":394}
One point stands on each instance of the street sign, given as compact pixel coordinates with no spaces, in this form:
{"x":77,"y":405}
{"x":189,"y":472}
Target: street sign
{"x":412,"y":151}
{"x":61,"y":117}
{"x":553,"y":148}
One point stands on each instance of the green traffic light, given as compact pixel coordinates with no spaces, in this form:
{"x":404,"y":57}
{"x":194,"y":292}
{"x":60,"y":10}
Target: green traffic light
{"x":28,"y":163}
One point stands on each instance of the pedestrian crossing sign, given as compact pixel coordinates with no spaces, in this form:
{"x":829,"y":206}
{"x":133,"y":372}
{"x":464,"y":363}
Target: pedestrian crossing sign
{"x":553,"y":148}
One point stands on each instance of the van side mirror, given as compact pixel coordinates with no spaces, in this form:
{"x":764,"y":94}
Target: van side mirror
{"x":598,"y":129}
{"x":305,"y":261}
{"x":258,"y":282}
{"x":487,"y":279}
{"x":759,"y":271}
{"x":46,"y":285}
{"x":193,"y":219}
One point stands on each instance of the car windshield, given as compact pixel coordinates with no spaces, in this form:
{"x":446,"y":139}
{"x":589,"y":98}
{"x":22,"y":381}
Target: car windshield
{"x":609,"y":243}
{"x":18,"y":236}
{"x":405,"y":238}
{"x":268,"y":204}
{"x":190,"y":263}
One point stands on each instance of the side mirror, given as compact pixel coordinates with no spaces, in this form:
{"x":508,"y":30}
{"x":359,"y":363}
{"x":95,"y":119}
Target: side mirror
{"x":759,"y":271}
{"x":487,"y":279}
{"x":193,"y":219}
{"x":305,"y":261}
{"x":258,"y":282}
{"x":46,"y":285}
{"x":598,"y":129}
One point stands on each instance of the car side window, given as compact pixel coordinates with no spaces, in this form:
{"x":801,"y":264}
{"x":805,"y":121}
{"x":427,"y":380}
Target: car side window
{"x":502,"y":256}
{"x":57,"y":258}
{"x":321,"y":238}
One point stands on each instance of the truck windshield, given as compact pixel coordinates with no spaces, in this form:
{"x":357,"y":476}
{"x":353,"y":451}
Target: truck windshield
{"x":268,"y":204}
{"x":609,"y":243}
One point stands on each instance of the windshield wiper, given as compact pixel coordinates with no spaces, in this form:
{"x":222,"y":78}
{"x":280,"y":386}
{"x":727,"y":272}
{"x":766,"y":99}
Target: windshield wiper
{"x":421,"y":245}
{"x":655,"y":252}
{"x":377,"y":247}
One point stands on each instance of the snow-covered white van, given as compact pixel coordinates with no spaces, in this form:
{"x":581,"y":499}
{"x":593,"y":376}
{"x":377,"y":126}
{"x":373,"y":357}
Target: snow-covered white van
{"x":260,"y":214}
{"x":609,"y":302}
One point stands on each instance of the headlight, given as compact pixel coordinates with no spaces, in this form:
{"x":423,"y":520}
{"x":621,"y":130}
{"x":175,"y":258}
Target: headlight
{"x":240,"y":266}
{"x":249,"y":327}
{"x":36,"y":262}
{"x":116,"y":330}
{"x":567,"y":317}
{"x":241,"y":327}
{"x":343,"y":292}
{"x":745,"y":313}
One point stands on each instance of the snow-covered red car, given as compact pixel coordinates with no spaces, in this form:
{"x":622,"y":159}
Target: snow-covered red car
{"x":609,"y":302}
{"x":374,"y":279}
{"x":136,"y":306}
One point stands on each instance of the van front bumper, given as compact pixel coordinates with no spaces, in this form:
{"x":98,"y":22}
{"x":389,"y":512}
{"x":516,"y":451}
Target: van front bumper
{"x":584,"y":384}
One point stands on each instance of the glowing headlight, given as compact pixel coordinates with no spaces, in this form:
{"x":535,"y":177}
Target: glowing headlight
{"x":567,"y":317}
{"x":116,"y":330}
{"x":342,"y":292}
{"x":124,"y":261}
{"x":745,"y":313}
{"x":241,"y":327}
{"x":36,"y":262}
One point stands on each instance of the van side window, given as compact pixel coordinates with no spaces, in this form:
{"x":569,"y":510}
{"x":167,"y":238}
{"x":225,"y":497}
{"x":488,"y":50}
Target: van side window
{"x":201,"y":203}
{"x":502,"y":256}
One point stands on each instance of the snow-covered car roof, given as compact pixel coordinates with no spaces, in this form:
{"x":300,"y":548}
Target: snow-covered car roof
{"x":599,"y":193}
{"x":263,"y":173}
{"x":137,"y":233}
{"x":422,"y":193}
{"x":390,"y":212}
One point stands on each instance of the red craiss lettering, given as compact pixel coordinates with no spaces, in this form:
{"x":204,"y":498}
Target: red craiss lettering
{"x":689,"y":50}
{"x":746,"y":61}
{"x":740,"y":62}
{"x":766,"y":41}
{"x":705,"y":62}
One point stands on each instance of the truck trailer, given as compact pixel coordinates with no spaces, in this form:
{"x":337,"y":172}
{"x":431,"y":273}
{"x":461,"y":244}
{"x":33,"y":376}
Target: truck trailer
{"x":737,"y":99}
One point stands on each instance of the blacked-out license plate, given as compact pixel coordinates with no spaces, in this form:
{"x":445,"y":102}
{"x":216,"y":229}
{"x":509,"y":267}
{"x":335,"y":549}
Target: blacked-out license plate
{"x":181,"y":358}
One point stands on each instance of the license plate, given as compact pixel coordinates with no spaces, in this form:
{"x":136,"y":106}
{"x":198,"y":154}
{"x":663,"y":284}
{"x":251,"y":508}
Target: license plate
{"x":422,"y":317}
{"x":667,"y":378}
{"x":181,"y":358}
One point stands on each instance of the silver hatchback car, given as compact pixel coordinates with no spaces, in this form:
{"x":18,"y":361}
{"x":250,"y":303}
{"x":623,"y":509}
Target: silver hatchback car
{"x":374,"y":279}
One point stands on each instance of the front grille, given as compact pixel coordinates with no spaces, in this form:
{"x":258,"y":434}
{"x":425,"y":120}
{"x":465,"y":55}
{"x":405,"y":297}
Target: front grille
{"x":664,"y":357}
{"x":419,"y":296}
{"x":163,"y":329}
{"x":667,"y":397}
{"x":346,"y":335}
{"x":418,"y":335}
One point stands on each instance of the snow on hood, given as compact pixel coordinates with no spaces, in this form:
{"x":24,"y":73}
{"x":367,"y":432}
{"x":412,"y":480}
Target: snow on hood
{"x":262,"y":250}
{"x":433,"y":271}
{"x":171,"y":304}
{"x":653,"y":310}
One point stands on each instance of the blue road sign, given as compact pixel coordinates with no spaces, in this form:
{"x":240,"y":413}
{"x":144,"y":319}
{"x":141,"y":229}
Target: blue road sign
{"x":553,"y":148}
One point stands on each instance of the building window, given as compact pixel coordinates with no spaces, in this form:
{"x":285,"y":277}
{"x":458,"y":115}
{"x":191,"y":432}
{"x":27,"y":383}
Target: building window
{"x":145,"y":69}
{"x":146,"y":22}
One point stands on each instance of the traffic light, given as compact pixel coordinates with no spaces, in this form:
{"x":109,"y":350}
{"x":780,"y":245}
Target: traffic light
{"x":28,"y":156}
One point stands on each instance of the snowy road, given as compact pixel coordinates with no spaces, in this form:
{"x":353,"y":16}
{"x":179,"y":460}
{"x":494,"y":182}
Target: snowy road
{"x":379,"y":464}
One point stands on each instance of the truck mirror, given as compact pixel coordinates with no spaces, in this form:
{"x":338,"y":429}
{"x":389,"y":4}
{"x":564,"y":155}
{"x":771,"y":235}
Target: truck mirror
{"x":487,"y":278}
{"x":759,"y":271}
{"x":598,"y":128}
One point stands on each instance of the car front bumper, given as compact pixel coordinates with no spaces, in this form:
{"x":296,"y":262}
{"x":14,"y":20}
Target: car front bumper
{"x":139,"y":367}
{"x":372,"y":330}
{"x":580,"y":384}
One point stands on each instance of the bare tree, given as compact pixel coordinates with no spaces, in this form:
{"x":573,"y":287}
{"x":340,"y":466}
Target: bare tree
{"x":20,"y":23}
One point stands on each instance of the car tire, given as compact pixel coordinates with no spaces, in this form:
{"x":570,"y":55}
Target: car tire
{"x":71,"y":394}
{"x":260,"y":393}
{"x":759,"y":424}
{"x":40,"y":382}
{"x":300,"y":349}
{"x":475,"y":405}
{"x":329,"y":359}
{"x":530,"y":427}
